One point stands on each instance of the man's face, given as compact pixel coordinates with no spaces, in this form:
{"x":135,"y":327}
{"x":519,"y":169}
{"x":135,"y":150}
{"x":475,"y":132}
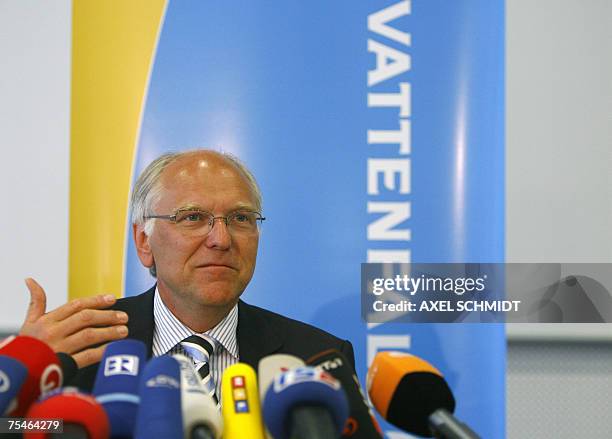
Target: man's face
{"x":209,"y":270}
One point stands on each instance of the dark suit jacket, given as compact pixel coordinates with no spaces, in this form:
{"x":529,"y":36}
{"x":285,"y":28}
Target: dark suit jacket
{"x":260,"y":333}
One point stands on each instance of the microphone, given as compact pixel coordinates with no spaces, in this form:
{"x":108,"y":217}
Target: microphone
{"x":201,"y":418}
{"x":412,"y":394}
{"x":305,"y":403}
{"x":42,"y":365}
{"x":116,"y":385}
{"x":361,"y":423}
{"x":240,"y":408}
{"x":12,"y":375}
{"x":159,"y":414}
{"x":68,"y":366}
{"x":271,"y":366}
{"x":84,"y":417}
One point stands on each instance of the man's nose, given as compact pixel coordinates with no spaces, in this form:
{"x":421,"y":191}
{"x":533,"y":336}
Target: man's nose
{"x":219,"y":235}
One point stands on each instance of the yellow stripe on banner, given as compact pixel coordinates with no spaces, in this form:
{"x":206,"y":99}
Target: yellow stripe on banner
{"x":112,"y":49}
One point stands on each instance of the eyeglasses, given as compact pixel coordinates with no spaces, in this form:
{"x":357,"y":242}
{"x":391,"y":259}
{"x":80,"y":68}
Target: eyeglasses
{"x":199,"y":223}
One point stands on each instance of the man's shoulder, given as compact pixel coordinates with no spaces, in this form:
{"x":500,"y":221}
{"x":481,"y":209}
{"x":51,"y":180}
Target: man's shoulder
{"x":290,"y":326}
{"x":264,"y":332}
{"x":134,"y":303}
{"x":141,"y":322}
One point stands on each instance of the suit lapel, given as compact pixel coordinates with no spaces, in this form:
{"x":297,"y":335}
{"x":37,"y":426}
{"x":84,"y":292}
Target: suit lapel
{"x":141,"y":321}
{"x":256,"y":336}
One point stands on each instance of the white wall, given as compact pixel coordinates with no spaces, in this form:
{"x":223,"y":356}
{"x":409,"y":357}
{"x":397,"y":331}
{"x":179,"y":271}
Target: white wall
{"x":559,"y":205}
{"x":559,"y":130}
{"x":35,"y":38}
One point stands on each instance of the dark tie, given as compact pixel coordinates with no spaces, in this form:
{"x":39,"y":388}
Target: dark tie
{"x":200,"y":347}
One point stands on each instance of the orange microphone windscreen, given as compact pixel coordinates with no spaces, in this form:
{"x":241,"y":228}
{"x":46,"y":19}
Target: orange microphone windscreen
{"x":406,"y":389}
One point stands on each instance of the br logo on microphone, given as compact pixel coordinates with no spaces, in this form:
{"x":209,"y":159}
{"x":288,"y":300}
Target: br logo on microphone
{"x":121,"y":365}
{"x":5,"y":382}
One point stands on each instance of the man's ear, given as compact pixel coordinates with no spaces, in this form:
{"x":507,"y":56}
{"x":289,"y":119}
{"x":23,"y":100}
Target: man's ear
{"x":141,"y":241}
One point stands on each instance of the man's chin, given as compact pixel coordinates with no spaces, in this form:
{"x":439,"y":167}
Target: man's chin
{"x":217,"y":298}
{"x":205,"y":291}
{"x":218,"y":303}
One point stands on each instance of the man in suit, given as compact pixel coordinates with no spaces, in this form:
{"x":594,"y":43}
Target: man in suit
{"x":196,"y":218}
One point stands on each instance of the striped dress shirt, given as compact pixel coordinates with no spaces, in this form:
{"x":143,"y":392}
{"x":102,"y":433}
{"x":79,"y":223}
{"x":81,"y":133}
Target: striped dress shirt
{"x":169,"y":331}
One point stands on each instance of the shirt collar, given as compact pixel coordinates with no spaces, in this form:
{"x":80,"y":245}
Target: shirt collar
{"x":170,"y":331}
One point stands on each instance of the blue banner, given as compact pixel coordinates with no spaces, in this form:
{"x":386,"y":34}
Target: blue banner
{"x":376,"y":132}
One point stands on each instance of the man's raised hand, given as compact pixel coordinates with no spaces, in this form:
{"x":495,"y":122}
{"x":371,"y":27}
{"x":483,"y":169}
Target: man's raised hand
{"x":75,"y":327}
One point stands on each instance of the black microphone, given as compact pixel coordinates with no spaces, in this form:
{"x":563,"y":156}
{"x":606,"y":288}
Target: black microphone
{"x":361,"y":423}
{"x":68,"y":366}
